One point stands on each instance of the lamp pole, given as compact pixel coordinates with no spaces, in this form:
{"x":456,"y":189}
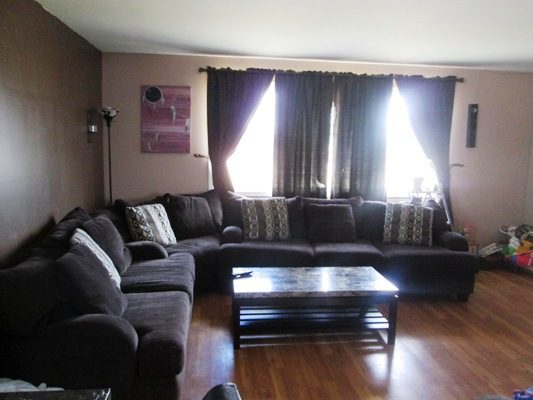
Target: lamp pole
{"x":109,"y":113}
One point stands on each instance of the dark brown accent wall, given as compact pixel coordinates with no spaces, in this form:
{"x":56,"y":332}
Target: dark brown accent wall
{"x":49,"y":78}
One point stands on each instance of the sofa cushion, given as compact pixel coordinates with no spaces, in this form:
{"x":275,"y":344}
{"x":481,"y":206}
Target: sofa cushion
{"x":354,"y":202}
{"x":150,"y":222}
{"x":117,"y":214}
{"x":371,"y":219}
{"x":231,"y":203}
{"x":215,"y":205}
{"x":161,"y":275}
{"x":295,"y":207}
{"x":290,"y":253}
{"x":420,"y":266}
{"x":82,"y":237}
{"x":106,"y":235}
{"x":204,"y":249}
{"x":265,"y":219}
{"x":359,"y":253}
{"x":146,"y":250}
{"x":57,"y":241}
{"x":161,"y":320}
{"x":28,"y":293}
{"x":408,"y":224}
{"x":440,"y":221}
{"x":85,"y":282}
{"x":189,"y":216}
{"x":332,"y":223}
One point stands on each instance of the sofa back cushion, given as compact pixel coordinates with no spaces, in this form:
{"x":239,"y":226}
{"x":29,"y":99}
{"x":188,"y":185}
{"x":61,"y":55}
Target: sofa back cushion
{"x":86,"y":283}
{"x":82,"y":237}
{"x":231,"y":204}
{"x":215,"y":205}
{"x":189,"y":216}
{"x":265,"y":219}
{"x":117,"y":215}
{"x":332,"y":223}
{"x":106,"y":235}
{"x":150,"y":222}
{"x":370,"y":220}
{"x":57,"y":241}
{"x":440,"y":221}
{"x":28,"y":293}
{"x":408,"y":224}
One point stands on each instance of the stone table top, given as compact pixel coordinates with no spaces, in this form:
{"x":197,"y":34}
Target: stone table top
{"x":270,"y":282}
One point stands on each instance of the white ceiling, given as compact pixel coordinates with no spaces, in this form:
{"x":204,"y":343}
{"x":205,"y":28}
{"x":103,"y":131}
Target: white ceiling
{"x":492,"y":34}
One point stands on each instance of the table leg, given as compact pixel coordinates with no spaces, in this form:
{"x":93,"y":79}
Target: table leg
{"x":236,"y":316}
{"x":393,"y":310}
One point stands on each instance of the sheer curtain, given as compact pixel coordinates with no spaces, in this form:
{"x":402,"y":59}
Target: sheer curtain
{"x":232,"y":97}
{"x":303,"y":115}
{"x":360,"y":131}
{"x":430,"y":108}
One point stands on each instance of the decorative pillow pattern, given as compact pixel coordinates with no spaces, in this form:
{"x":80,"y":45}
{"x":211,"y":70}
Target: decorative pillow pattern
{"x":82,"y":237}
{"x":265,"y":219}
{"x":150,"y":222}
{"x":408,"y":224}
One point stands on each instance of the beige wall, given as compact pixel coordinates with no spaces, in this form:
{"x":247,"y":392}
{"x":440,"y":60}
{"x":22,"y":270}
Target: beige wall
{"x":488,"y":192}
{"x":49,"y":78}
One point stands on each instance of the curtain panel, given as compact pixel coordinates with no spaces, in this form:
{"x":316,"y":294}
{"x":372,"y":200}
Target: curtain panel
{"x":301,"y":138}
{"x":430,"y":108}
{"x":359,"y":133}
{"x":232,"y":98}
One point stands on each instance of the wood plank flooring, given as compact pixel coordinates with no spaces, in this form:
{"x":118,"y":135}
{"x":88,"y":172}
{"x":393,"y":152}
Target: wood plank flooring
{"x":444,"y":350}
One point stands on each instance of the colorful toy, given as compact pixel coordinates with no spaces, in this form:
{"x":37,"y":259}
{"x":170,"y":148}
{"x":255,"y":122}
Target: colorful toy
{"x":523,"y":394}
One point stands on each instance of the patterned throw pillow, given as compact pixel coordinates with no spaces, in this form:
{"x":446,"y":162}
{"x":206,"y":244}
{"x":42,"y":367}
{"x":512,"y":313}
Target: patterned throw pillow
{"x":150,"y":222}
{"x":265,"y":219}
{"x":408,"y":224}
{"x":82,"y":237}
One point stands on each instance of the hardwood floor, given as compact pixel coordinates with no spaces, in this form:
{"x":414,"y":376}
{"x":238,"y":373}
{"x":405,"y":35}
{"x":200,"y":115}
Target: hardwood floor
{"x":444,"y":350}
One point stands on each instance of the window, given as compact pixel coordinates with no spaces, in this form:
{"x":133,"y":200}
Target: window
{"x":252,"y":163}
{"x":406,"y":162}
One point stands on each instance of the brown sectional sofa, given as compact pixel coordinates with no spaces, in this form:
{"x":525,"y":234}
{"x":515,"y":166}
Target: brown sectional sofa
{"x":140,"y":353}
{"x":48,"y":332}
{"x":445,"y":268}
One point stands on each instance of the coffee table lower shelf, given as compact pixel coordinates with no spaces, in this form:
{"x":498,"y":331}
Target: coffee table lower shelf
{"x":273,"y":317}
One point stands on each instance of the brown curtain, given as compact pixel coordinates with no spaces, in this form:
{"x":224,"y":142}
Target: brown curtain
{"x":232,"y":98}
{"x":360,"y":132}
{"x":430,"y":107}
{"x":303,"y":112}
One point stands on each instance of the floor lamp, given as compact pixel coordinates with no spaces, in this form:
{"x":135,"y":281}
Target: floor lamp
{"x":109,"y":113}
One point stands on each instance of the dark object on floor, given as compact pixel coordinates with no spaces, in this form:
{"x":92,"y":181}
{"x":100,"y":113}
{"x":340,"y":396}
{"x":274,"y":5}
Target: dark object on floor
{"x":224,"y":391}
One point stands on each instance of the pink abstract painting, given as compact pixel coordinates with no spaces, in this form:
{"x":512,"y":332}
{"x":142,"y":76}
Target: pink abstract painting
{"x":165,"y":119}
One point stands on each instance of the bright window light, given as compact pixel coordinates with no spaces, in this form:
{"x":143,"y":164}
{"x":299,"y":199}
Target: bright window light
{"x":406,"y":161}
{"x":251,"y":165}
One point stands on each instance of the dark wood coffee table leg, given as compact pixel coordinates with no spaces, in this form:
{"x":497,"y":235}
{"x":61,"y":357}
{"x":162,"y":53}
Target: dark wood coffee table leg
{"x":236,"y":317}
{"x":393,"y":310}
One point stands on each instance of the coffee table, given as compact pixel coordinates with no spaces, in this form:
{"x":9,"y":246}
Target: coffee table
{"x":280,"y":299}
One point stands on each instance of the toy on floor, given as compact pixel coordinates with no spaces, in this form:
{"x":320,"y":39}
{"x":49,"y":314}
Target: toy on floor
{"x":523,"y":394}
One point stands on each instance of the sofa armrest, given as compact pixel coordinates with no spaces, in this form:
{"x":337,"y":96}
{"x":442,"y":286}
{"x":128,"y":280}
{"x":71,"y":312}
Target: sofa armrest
{"x":146,"y":250}
{"x":93,"y":350}
{"x":452,"y":240}
{"x":232,"y":234}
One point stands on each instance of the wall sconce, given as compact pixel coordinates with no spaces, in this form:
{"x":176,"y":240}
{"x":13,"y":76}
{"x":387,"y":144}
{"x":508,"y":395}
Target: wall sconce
{"x":92,"y":128}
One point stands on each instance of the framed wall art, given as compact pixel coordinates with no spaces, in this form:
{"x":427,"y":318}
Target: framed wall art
{"x":165,"y":119}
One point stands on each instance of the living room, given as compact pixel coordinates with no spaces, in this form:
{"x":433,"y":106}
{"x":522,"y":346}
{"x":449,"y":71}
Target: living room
{"x":51,"y":77}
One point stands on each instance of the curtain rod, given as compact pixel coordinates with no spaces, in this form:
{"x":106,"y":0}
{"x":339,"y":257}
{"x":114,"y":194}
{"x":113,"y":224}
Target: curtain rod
{"x":283,"y":71}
